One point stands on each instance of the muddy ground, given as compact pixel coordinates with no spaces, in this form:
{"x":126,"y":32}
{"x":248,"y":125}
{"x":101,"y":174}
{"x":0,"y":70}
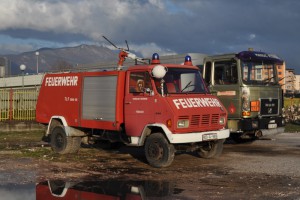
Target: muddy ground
{"x":263,"y":169}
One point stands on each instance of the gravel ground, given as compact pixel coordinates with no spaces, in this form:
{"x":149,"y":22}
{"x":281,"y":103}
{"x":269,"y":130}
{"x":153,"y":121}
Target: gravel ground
{"x":263,"y":169}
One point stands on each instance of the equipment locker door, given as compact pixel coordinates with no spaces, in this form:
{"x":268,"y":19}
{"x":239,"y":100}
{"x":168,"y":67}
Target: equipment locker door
{"x":139,"y":104}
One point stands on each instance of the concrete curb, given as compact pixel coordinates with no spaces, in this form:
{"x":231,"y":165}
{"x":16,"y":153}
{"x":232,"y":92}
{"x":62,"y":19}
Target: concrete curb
{"x":19,"y":126}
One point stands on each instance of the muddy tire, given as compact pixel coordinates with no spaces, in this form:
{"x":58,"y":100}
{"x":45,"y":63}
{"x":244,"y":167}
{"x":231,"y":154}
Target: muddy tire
{"x":158,"y":151}
{"x":212,"y":149}
{"x":63,"y":144}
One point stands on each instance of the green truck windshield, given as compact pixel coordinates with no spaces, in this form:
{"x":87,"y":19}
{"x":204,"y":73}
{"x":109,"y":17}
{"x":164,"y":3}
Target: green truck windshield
{"x":258,"y":73}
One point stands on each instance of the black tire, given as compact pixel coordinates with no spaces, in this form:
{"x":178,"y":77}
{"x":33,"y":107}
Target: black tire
{"x":212,"y":149}
{"x":63,"y":144}
{"x":158,"y":151}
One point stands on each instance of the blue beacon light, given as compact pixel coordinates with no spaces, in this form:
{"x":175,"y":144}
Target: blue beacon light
{"x":188,"y":60}
{"x":155,"y":59}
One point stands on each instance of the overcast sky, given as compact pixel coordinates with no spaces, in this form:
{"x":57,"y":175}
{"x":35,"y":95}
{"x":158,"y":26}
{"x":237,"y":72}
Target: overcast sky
{"x":163,"y":26}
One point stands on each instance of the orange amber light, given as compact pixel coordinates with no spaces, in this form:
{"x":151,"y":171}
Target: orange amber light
{"x":246,"y":113}
{"x":169,"y":123}
{"x":255,"y":106}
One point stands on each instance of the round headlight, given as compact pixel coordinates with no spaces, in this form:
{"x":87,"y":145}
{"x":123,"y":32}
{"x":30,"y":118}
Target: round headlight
{"x":222,"y":120}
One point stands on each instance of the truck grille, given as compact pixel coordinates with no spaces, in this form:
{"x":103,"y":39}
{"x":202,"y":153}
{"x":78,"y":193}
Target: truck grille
{"x":203,"y":121}
{"x":269,"y":107}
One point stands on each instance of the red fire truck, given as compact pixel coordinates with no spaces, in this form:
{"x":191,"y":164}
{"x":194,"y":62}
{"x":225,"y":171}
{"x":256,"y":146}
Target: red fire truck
{"x":160,"y":107}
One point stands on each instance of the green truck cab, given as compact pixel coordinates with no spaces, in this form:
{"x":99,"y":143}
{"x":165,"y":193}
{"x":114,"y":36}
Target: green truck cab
{"x":247,"y":83}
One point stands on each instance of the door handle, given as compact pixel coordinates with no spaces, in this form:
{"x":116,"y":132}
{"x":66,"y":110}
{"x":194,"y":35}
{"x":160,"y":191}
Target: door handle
{"x":128,"y":102}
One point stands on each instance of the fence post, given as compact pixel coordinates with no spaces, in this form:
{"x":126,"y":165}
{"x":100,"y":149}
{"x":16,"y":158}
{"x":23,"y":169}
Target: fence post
{"x":11,"y":104}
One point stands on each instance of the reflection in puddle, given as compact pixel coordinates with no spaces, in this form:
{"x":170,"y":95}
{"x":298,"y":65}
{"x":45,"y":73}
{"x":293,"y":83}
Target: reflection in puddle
{"x":17,"y":192}
{"x":111,"y":189}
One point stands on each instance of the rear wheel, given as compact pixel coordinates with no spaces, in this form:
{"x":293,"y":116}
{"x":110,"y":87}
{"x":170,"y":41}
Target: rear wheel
{"x":159,"y":152}
{"x":63,"y":144}
{"x":212,"y":149}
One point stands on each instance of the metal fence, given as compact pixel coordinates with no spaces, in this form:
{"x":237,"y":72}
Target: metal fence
{"x":18,"y":104}
{"x":4,"y":104}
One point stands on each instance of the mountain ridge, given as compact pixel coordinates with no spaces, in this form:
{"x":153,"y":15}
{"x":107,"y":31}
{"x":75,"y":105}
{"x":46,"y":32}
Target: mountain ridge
{"x":53,"y":58}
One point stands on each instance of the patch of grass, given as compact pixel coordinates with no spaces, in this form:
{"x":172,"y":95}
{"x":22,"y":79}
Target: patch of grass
{"x":291,"y":128}
{"x":17,"y":137}
{"x":46,"y":153}
{"x":36,"y":152}
{"x":291,"y":101}
{"x":29,"y":144}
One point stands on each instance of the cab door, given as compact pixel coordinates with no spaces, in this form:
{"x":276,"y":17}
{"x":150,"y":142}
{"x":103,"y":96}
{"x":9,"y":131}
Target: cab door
{"x":222,"y":79}
{"x":227,"y":86}
{"x":139,"y":102}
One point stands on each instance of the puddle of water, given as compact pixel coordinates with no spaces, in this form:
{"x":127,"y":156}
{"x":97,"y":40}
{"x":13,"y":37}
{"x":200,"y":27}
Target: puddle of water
{"x":110,"y":189}
{"x":18,"y":192}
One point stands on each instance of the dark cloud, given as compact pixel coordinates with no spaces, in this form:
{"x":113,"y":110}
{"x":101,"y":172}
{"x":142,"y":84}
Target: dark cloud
{"x":44,"y":35}
{"x":205,"y":26}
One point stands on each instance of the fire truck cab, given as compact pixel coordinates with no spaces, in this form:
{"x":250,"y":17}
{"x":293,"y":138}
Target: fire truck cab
{"x":160,"y":107}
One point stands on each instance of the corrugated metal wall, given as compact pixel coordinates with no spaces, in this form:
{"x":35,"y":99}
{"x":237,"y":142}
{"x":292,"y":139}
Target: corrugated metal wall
{"x":18,"y":104}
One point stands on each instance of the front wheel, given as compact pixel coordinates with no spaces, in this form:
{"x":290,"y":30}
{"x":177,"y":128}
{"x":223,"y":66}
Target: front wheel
{"x":63,"y":144}
{"x":211,"y":149}
{"x":158,"y":151}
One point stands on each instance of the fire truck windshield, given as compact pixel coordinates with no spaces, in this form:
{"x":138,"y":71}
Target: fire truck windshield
{"x":180,"y":80}
{"x":259,"y":73}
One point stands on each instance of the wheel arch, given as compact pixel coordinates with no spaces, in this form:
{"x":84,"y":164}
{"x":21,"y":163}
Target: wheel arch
{"x":54,"y":121}
{"x":154,"y":128}
{"x":60,"y":120}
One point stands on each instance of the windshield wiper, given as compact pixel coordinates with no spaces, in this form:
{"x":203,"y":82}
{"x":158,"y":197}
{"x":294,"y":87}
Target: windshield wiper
{"x":187,"y":86}
{"x":267,"y":80}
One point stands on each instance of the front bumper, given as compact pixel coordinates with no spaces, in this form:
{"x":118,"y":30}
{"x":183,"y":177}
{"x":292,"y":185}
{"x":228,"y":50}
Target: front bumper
{"x":260,"y":124}
{"x":180,"y":137}
{"x":275,"y":131}
{"x":192,"y":137}
{"x":196,"y":137}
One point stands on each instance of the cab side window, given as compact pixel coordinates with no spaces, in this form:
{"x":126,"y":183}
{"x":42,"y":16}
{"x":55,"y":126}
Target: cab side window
{"x":207,"y":73}
{"x":225,"y":73}
{"x":138,"y":81}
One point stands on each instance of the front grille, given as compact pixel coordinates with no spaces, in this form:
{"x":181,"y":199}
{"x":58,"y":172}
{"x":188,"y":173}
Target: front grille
{"x":215,"y":119}
{"x":205,"y":120}
{"x":183,"y":117}
{"x":202,"y":121}
{"x":269,"y":107}
{"x":195,"y":120}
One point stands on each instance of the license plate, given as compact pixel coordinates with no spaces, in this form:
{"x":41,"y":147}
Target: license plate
{"x":211,"y":136}
{"x":272,"y":126}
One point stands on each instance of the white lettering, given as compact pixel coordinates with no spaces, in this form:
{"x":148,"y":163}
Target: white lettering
{"x":193,"y":102}
{"x":261,"y":55}
{"x":62,"y":81}
{"x":196,"y":102}
{"x":176,"y":103}
{"x":188,"y":103}
{"x":209,"y":102}
{"x":204,"y":102}
{"x":182,"y":102}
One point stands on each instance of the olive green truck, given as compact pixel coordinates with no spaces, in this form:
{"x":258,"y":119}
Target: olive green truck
{"x":248,"y":85}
